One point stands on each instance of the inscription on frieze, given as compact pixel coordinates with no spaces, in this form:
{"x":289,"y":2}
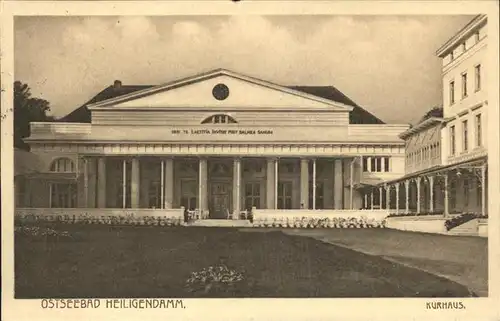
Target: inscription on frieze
{"x":230,"y":132}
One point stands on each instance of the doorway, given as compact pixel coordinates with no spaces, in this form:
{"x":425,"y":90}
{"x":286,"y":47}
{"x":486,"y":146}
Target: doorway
{"x":220,"y":200}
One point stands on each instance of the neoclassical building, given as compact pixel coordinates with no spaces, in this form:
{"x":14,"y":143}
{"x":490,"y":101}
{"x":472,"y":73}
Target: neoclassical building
{"x":219,"y":143}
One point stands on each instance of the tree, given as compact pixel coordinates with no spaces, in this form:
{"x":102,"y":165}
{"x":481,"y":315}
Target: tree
{"x":436,"y":111}
{"x":26,"y":110}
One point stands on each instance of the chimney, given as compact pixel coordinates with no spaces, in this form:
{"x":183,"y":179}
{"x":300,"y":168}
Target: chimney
{"x":117,"y":84}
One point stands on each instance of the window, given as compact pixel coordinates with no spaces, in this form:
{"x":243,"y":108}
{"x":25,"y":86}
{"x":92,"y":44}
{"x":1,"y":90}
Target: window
{"x":62,"y":165}
{"x":319,"y":195}
{"x":20,"y":185}
{"x":189,"y":194}
{"x":477,"y":36}
{"x":452,"y":140}
{"x":465,"y":136}
{"x":479,"y":129}
{"x":284,"y":195}
{"x":466,"y":192}
{"x":128,"y":185}
{"x":373,"y":164}
{"x":452,"y":57}
{"x":464,"y":47}
{"x":253,"y":166}
{"x":479,"y":192}
{"x":219,"y":119}
{"x":380,"y":164}
{"x":378,"y":161}
{"x":386,"y":164}
{"x":288,"y":167}
{"x":154,"y":195}
{"x":464,"y":85}
{"x":452,"y":92}
{"x":452,"y":199}
{"x":62,"y":195}
{"x":477,"y":72}
{"x":252,"y":195}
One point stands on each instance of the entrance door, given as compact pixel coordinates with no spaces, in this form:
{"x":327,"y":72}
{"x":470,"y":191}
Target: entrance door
{"x":220,"y":204}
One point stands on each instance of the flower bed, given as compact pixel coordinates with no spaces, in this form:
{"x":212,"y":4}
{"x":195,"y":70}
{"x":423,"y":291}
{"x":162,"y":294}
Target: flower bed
{"x":305,"y":222}
{"x":461,"y":219}
{"x":218,"y":280}
{"x":37,"y":233}
{"x":402,"y":214}
{"x":86,"y":218}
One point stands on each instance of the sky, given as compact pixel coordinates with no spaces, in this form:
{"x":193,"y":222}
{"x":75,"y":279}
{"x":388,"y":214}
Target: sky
{"x":386,"y":64}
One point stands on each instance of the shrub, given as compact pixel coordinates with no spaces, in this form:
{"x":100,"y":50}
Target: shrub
{"x":86,"y":218}
{"x":312,"y":222}
{"x":461,"y":219}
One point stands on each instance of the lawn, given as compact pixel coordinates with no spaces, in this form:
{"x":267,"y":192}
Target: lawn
{"x":463,"y":259}
{"x":147,"y":261}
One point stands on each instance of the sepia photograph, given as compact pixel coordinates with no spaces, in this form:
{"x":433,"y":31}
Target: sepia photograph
{"x":158,"y":158}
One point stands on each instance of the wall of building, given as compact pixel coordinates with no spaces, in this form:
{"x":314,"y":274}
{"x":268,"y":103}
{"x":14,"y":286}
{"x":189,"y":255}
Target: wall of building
{"x":474,"y":149}
{"x":465,"y":107}
{"x":465,"y":62}
{"x":195,"y":118}
{"x":423,"y":149}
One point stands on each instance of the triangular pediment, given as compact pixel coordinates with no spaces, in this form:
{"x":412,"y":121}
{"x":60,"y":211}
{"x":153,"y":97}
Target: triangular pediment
{"x":220,"y":89}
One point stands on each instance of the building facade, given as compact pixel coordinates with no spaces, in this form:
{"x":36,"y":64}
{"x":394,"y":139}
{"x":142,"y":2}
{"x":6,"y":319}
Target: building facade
{"x":219,"y":144}
{"x":222,"y":144}
{"x":446,"y":157}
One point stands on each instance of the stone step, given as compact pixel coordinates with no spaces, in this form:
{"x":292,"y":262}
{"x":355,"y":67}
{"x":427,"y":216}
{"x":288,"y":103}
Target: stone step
{"x":463,"y":232}
{"x":220,"y":223}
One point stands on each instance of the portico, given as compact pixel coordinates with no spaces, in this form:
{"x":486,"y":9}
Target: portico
{"x":218,"y":186}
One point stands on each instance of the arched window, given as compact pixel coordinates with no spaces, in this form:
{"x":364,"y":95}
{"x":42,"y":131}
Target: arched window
{"x":63,"y":165}
{"x":219,"y":119}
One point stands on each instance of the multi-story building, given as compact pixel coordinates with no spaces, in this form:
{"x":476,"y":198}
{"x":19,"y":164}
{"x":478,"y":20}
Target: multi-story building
{"x":446,"y":157}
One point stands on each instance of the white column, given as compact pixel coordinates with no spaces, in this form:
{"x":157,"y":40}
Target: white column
{"x":162,"y":183}
{"x":397,"y":198}
{"x":380,"y":197}
{"x":371,"y":199}
{"x":483,"y":189}
{"x":351,"y":180}
{"x":101,"y":182}
{"x":366,"y":201}
{"x":314,"y":185}
{"x":169,"y":183}
{"x":86,"y":181}
{"x":50,"y":195}
{"x":388,"y":197}
{"x":382,"y":163}
{"x":446,"y":208}
{"x":270,"y":184}
{"x":202,"y":185}
{"x":369,"y":164}
{"x":407,"y":196}
{"x":304,"y":183}
{"x":338,"y":185}
{"x":276,"y":180}
{"x":135,"y":183}
{"x":236,"y":188}
{"x":431,"y":193}
{"x":418,"y":195}
{"x":124,"y":183}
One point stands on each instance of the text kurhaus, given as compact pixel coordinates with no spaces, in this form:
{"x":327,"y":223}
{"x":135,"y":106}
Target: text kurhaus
{"x":444,"y":306}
